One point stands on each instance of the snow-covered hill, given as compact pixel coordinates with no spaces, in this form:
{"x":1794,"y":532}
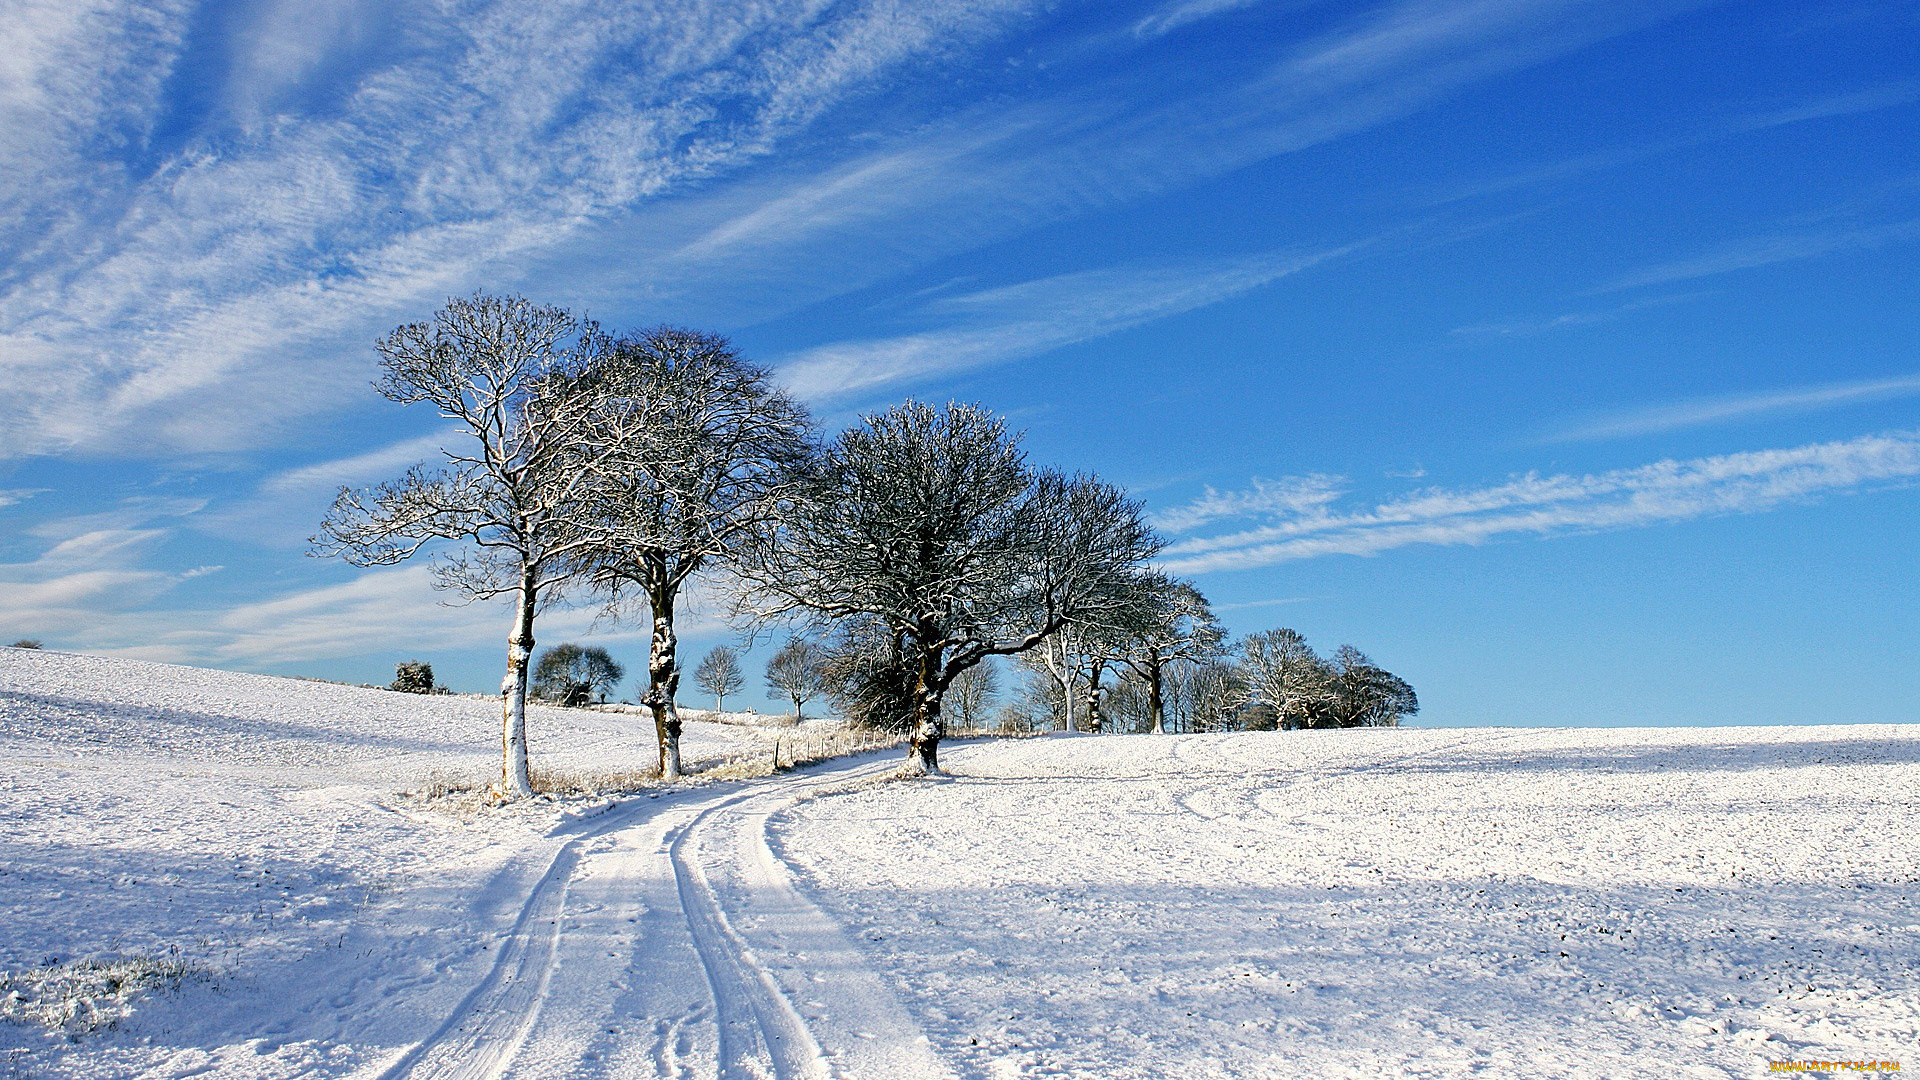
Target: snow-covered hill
{"x":1591,"y":903}
{"x":1380,"y":903}
{"x":236,"y":824}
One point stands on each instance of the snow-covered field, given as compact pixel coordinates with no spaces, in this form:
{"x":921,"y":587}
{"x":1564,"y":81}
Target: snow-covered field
{"x":1592,"y":903}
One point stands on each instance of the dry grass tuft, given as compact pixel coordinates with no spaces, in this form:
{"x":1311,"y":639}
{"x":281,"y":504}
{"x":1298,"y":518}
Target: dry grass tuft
{"x":86,"y":996}
{"x":592,"y":783}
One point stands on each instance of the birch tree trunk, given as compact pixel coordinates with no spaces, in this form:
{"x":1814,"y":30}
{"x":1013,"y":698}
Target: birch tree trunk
{"x":663,"y":682}
{"x":514,"y":781}
{"x":1156,"y":697}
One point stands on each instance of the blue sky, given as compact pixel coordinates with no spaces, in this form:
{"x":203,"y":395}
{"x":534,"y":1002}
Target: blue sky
{"x":1561,"y":355}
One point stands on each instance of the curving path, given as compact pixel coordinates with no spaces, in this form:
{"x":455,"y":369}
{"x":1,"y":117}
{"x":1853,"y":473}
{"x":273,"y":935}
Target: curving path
{"x":667,"y":939}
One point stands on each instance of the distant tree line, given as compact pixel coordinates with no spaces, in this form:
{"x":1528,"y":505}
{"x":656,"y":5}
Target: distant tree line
{"x":906,"y":555}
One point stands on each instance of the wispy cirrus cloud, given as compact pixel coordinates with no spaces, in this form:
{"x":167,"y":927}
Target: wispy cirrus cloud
{"x":1530,"y":327}
{"x":1761,"y":251}
{"x":1292,"y":496}
{"x":94,"y":567}
{"x":192,"y":297}
{"x":373,"y":465}
{"x":1532,"y":505}
{"x":993,"y":170}
{"x":196,"y":282}
{"x":1171,"y":17}
{"x":1718,"y":410}
{"x":997,"y":325}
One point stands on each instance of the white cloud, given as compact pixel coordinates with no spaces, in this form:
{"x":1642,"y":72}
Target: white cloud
{"x":1031,"y":318}
{"x":1292,"y":496}
{"x":1181,"y":13}
{"x":374,"y":465}
{"x":1716,"y":410}
{"x":1766,"y":251}
{"x":206,"y":299}
{"x":1661,"y":493}
{"x":993,"y":170}
{"x":1528,"y":327}
{"x":232,"y":287}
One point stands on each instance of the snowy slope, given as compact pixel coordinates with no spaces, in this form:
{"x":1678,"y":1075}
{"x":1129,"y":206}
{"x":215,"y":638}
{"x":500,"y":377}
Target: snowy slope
{"x":1538,"y":903}
{"x":1546,"y":903}
{"x":249,"y":827}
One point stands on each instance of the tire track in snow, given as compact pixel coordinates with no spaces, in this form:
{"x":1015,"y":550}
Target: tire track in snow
{"x":484,"y":1033}
{"x":761,"y":1034}
{"x":754,"y":1031}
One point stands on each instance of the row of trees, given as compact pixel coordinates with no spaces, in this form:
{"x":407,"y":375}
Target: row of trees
{"x":905,"y":551}
{"x":1182,"y":675}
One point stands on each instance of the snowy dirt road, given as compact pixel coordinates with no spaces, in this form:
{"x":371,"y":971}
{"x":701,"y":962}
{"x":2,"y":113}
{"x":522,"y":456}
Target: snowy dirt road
{"x":666,"y":940}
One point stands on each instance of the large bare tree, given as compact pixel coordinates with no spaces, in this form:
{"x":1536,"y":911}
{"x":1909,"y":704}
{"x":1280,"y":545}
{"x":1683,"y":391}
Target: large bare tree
{"x":695,"y":450}
{"x":510,"y":502}
{"x":928,"y":524}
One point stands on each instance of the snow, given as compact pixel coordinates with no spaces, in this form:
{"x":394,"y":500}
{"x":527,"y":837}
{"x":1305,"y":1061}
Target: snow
{"x":1590,"y":903}
{"x":1580,"y":903}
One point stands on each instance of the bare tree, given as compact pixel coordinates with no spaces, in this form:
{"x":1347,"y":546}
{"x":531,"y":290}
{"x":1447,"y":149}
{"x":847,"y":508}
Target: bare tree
{"x":797,"y":673}
{"x":1212,"y":694}
{"x":928,"y":522}
{"x":499,"y":365}
{"x":972,"y":694}
{"x":574,"y":675}
{"x":1177,"y":626}
{"x":1283,"y":671}
{"x":1055,"y":664}
{"x":719,"y":674}
{"x":1367,"y":695}
{"x":702,"y":449}
{"x":869,"y":675}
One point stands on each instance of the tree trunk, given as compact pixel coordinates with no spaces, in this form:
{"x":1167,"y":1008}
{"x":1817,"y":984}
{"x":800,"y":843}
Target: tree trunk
{"x":663,"y":682}
{"x":1093,"y":695}
{"x":923,"y":745}
{"x":1066,"y":694}
{"x":514,"y":780}
{"x":1156,"y":699}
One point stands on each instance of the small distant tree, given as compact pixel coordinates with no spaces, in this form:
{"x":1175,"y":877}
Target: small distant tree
{"x":413,"y":677}
{"x":508,"y":510}
{"x":1126,"y":707}
{"x":1053,"y":671}
{"x":972,"y":694}
{"x":797,"y":672}
{"x":719,"y":674}
{"x":1367,"y":695}
{"x":27,"y":643}
{"x":574,"y":675}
